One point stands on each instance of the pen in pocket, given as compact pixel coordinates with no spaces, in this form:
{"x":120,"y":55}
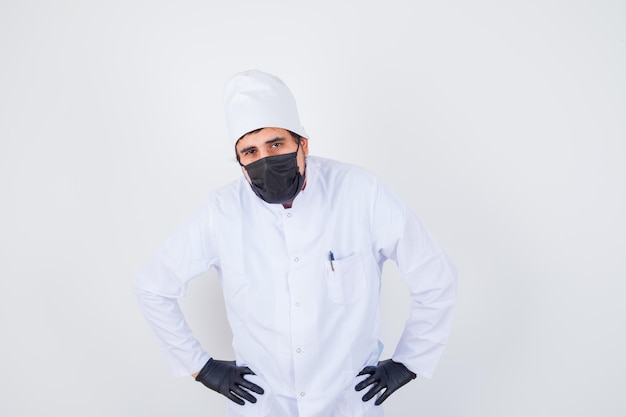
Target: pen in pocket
{"x":331,"y":258}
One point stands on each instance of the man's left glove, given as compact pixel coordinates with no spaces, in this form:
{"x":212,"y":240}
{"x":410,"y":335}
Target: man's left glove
{"x":228,"y":379}
{"x":388,"y":375}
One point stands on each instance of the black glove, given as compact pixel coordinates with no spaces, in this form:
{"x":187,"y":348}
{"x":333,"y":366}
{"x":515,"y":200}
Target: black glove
{"x":388,"y":375}
{"x":227,"y":378}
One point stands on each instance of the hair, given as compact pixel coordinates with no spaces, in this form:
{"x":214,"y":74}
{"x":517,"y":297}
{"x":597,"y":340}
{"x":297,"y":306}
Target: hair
{"x":295,"y":137}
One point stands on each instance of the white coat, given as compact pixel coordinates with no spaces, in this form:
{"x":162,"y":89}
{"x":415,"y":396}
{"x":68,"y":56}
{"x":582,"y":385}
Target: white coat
{"x":306,"y":328}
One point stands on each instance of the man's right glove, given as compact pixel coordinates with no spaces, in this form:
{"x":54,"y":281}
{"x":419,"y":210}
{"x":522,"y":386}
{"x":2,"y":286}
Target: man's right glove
{"x":228,"y":379}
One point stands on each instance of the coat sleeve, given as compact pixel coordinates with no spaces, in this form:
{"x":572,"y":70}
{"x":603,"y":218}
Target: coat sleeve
{"x":185,"y":255}
{"x":429,"y":274}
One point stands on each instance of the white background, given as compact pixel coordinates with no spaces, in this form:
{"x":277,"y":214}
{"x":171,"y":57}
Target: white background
{"x":503,"y":124}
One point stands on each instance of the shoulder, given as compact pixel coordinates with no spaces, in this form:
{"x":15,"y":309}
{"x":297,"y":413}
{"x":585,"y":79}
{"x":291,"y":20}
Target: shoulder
{"x":344,"y":184}
{"x":226,"y":197}
{"x":332,"y":170}
{"x":352,"y":183}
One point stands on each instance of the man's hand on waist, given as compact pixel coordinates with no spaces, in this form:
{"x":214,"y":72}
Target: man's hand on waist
{"x":228,"y":379}
{"x":388,"y":375}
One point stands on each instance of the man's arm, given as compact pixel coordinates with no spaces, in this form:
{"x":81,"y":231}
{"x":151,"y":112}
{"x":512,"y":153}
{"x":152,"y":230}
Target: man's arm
{"x":431,"y":279}
{"x":163,"y":280}
{"x":181,"y":350}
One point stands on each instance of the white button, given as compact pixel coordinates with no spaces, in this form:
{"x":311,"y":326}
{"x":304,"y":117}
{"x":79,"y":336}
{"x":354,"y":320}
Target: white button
{"x":298,"y":350}
{"x":297,"y":304}
{"x":302,"y":394}
{"x":296,"y":259}
{"x":288,"y":214}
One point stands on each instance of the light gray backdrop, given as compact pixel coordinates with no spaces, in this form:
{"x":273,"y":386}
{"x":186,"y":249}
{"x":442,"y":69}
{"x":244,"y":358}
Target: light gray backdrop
{"x":501,"y":123}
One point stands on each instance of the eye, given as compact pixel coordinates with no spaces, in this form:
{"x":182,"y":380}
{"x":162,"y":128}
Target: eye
{"x":275,"y":145}
{"x":249,"y":152}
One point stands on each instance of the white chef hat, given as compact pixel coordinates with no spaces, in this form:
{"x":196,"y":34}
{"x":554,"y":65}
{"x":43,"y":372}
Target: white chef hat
{"x":255,"y":99}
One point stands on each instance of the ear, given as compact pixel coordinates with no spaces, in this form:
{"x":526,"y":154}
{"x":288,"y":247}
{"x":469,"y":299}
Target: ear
{"x":304,"y":144}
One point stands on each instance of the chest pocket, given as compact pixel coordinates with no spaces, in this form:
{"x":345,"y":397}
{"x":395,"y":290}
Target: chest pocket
{"x":345,"y":279}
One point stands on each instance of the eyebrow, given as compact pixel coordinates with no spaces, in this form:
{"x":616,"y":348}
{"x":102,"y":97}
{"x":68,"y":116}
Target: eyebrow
{"x":267,"y":142}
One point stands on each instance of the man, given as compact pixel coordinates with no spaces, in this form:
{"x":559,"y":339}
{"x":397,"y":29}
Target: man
{"x":298,"y":244}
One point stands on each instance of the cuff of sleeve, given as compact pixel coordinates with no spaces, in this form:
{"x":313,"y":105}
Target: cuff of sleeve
{"x":194,"y":366}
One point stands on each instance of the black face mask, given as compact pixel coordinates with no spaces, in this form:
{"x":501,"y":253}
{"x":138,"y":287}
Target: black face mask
{"x":276,"y":179}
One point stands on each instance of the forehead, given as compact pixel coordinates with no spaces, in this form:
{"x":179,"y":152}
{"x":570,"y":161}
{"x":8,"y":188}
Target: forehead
{"x":261,"y":137}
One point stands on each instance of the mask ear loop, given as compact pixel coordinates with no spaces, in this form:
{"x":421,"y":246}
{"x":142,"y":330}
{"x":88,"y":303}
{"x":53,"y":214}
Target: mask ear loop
{"x":304,"y":175}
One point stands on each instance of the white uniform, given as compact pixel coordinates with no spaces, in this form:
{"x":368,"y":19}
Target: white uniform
{"x":304,"y":329}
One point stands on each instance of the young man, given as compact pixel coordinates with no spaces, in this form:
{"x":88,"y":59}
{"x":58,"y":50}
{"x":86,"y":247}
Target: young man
{"x":298,"y":244}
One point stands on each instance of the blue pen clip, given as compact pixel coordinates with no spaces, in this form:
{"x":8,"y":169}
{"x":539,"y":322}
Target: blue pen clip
{"x":331,"y":258}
